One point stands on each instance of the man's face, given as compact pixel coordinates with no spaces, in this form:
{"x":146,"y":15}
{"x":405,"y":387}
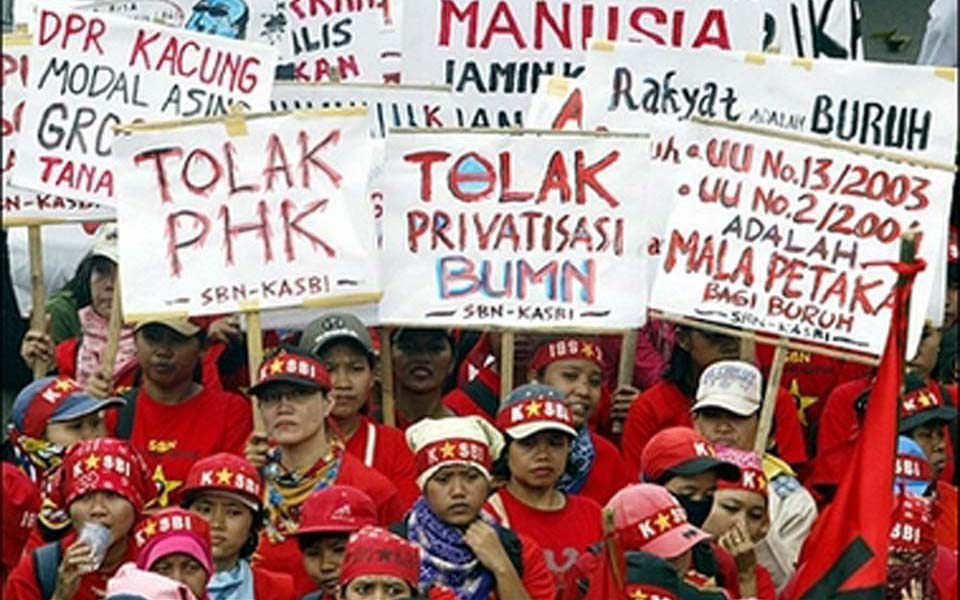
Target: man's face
{"x":726,"y":428}
{"x":166,"y":357}
{"x":929,"y":436}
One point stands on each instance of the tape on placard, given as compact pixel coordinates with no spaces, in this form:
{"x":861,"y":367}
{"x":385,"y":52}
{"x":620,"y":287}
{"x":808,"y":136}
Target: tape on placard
{"x":806,"y":63}
{"x":235,"y":122}
{"x":249,"y":305}
{"x":604,"y":45}
{"x":20,"y":37}
{"x":167,"y":316}
{"x":947,"y":73}
{"x":755,"y":58}
{"x":317,"y":113}
{"x":343,"y":300}
{"x":558,"y":86}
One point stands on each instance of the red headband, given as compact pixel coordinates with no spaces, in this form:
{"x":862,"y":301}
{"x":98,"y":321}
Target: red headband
{"x":455,"y":450}
{"x":45,"y":402}
{"x":567,"y":349}
{"x":644,"y":531}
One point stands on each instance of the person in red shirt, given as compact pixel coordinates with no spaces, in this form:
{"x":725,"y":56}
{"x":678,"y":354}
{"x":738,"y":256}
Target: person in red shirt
{"x":103,"y":481}
{"x":293,"y":397}
{"x":686,"y":464}
{"x":914,"y":557}
{"x":168,"y":417}
{"x":175,"y":543}
{"x":21,"y":503}
{"x":328,"y":518}
{"x":463,"y":548}
{"x":573,"y":366}
{"x":739,"y":520}
{"x":379,"y":564}
{"x":422,"y":361}
{"x":226,"y":490}
{"x":538,"y":429}
{"x":342,"y":343}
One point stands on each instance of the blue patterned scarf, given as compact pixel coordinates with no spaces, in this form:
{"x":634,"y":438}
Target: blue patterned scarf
{"x":582,"y":456}
{"x":446,"y":559}
{"x":235,"y":584}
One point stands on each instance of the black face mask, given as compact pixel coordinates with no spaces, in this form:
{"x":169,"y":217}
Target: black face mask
{"x":697,"y":510}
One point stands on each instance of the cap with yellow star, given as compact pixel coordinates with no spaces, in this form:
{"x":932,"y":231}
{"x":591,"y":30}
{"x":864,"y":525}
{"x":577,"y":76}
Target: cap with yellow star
{"x":567,"y":349}
{"x":225,"y":474}
{"x":293,"y":367}
{"x":437,"y":443}
{"x":532,"y":408}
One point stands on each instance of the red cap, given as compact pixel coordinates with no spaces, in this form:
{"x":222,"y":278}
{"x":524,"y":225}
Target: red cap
{"x":913,"y":520}
{"x":336,"y":509}
{"x":752,"y":477}
{"x":289,"y":366}
{"x":103,"y":464}
{"x":21,"y":503}
{"x":173,"y":531}
{"x":567,"y":349}
{"x":647,"y":517}
{"x":227,"y":473}
{"x":376,"y":551}
{"x":682,"y":451}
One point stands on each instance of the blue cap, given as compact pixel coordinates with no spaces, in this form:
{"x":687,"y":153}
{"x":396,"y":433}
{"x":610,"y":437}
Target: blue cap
{"x":546,"y":409}
{"x":912,"y":470}
{"x":54,"y":400}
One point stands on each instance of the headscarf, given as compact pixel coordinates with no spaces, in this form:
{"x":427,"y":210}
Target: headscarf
{"x":93,"y":345}
{"x":580,"y":462}
{"x":287,"y":490}
{"x":235,"y":584}
{"x":445,"y":558}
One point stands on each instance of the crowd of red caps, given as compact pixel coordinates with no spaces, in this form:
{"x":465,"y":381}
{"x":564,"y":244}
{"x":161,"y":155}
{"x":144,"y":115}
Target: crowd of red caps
{"x":149,"y":482}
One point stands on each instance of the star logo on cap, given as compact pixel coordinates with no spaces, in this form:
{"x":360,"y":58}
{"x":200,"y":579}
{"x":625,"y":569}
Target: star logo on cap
{"x":447,"y":450}
{"x":276,"y":366}
{"x":925,"y":400}
{"x":588,"y":350}
{"x":663,"y":522}
{"x":63,"y":385}
{"x":150,"y":529}
{"x":638,"y":595}
{"x":92,"y":462}
{"x":224,"y":475}
{"x":534,"y":408}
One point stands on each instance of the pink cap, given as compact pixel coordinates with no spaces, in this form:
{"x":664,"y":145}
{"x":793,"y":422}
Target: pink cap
{"x":131,"y":582}
{"x":648,"y":518}
{"x":173,"y":531}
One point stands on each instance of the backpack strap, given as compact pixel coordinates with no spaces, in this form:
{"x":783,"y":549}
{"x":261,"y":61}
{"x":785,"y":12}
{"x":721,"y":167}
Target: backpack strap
{"x":483,"y":397}
{"x":126,"y":413}
{"x":46,"y":562}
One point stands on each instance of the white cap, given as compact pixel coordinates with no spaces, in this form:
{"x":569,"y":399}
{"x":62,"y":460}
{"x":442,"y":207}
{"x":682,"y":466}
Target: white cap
{"x":731,"y":385}
{"x":438,"y":443}
{"x":105,"y":244}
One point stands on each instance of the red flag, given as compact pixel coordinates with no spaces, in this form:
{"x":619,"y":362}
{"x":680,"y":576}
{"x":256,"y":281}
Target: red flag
{"x":845,"y":555}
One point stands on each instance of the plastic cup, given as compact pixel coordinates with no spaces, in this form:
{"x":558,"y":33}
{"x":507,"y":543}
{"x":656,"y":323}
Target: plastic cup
{"x":97,"y":537}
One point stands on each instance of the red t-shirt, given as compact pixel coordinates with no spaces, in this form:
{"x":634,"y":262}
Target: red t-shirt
{"x":285,"y":556}
{"x":838,"y":419}
{"x":23,"y":584}
{"x":269,"y":585}
{"x":460,"y":402}
{"x":173,"y":437}
{"x":811,"y":377}
{"x":766,"y":589}
{"x":946,"y":524}
{"x":563,"y":534}
{"x":664,"y":405}
{"x":537,"y":579}
{"x":385,"y":449}
{"x":609,"y":473}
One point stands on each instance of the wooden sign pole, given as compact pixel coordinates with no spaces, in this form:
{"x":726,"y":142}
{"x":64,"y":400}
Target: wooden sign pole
{"x":38,"y":317}
{"x":388,"y":406}
{"x":254,"y":358}
{"x":507,"y":354}
{"x":628,"y":353}
{"x":108,"y":363}
{"x":768,"y":409}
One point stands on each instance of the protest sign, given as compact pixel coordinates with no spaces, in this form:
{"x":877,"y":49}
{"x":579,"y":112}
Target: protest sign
{"x":557,"y":105}
{"x":258,"y":211}
{"x":814,"y":28}
{"x":13,"y":81}
{"x":632,"y":86}
{"x":90,"y":72}
{"x":22,"y":207}
{"x":324,"y":41}
{"x":493,"y":52}
{"x":525,"y":230}
{"x":776,"y":235}
{"x":390,"y":105}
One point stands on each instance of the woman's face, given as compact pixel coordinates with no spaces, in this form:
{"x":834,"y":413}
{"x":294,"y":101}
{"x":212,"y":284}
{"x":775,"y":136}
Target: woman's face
{"x":707,"y":348}
{"x":696,"y":487}
{"x":166,"y":357}
{"x":422,"y":360}
{"x":579,"y":381}
{"x":457,"y":493}
{"x":731,"y":506}
{"x":323,"y":557}
{"x":230,"y":523}
{"x":930,"y":437}
{"x":726,"y":428}
{"x":107,"y":508}
{"x":538,"y":460}
{"x":103,"y":275}
{"x":185,"y":569}
{"x":68,"y":433}
{"x":293,"y":413}
{"x":377,"y":587}
{"x":351,"y":375}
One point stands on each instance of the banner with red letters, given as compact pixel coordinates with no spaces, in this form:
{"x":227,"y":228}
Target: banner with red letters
{"x":226,"y":219}
{"x":515,"y":230}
